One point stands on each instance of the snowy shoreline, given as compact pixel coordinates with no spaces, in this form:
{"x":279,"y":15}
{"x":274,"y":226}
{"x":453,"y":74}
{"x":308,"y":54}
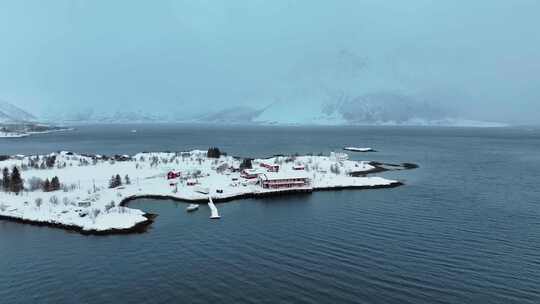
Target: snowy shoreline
{"x":88,"y":205}
{"x":22,"y":134}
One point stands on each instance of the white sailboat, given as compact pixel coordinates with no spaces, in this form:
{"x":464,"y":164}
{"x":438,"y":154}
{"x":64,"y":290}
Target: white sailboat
{"x":192,"y":207}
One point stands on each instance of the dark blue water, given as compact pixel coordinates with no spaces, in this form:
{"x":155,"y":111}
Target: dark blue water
{"x":465,"y":228}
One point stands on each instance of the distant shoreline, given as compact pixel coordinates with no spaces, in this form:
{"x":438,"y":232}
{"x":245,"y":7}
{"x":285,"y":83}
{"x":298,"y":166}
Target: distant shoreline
{"x":24,"y":134}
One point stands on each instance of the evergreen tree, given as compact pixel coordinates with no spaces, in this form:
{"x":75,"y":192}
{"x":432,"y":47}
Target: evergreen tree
{"x":246,"y":164}
{"x":213,"y":153}
{"x":118,"y":180}
{"x":112,"y":182}
{"x":55,"y":184}
{"x":127,"y":180}
{"x":50,"y":160}
{"x":16,"y":182}
{"x":46,"y":186}
{"x":115,"y":181}
{"x":5,"y":179}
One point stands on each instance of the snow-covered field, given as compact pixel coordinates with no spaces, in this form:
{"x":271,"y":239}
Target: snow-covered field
{"x":86,"y":201}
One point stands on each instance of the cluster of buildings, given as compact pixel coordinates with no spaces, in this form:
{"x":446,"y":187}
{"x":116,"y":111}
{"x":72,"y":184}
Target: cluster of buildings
{"x":269,"y":176}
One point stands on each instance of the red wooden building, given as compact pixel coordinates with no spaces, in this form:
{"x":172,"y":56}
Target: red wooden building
{"x":173,"y":175}
{"x":284,"y":181}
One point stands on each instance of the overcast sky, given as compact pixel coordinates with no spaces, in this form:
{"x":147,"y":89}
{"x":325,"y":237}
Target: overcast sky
{"x":480,"y":56}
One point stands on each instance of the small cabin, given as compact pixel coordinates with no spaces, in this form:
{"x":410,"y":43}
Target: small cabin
{"x":250,"y":173}
{"x":222,"y":167}
{"x":299,"y":167}
{"x":270,"y":167}
{"x":84,"y":204}
{"x":122,"y":158}
{"x":173,"y":175}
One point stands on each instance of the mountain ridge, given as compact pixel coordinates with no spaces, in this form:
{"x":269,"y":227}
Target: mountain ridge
{"x":10,"y":113}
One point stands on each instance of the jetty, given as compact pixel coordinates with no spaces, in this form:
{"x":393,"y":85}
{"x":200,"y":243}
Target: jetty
{"x":214,"y":212}
{"x":357,"y":149}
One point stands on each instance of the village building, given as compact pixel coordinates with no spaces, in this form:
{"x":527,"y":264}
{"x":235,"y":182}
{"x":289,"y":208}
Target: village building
{"x":270,"y":167}
{"x":284,"y":180}
{"x":222,"y":167}
{"x":84,"y":204}
{"x":173,"y":175}
{"x":251,"y":173}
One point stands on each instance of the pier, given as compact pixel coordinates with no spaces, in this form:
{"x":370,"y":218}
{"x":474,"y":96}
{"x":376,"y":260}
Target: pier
{"x":214,"y":212}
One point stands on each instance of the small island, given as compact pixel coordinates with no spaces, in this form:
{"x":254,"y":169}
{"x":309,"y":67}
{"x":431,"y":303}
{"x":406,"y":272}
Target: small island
{"x":90,"y":193}
{"x":358,"y":149}
{"x":20,"y":130}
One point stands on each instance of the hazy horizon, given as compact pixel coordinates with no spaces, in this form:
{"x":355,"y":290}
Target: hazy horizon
{"x":477,"y":60}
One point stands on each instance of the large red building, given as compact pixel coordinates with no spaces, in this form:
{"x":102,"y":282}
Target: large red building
{"x":284,"y":181}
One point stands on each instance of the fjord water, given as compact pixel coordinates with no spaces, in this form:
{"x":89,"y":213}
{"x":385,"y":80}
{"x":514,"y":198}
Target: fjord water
{"x":464,"y":229}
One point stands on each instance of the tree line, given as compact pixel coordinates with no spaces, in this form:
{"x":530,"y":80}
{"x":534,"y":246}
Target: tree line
{"x":214,"y":152}
{"x":52,"y":185}
{"x":13,"y":182}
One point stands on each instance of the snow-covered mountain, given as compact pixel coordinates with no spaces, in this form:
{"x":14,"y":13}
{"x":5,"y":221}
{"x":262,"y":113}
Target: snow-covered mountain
{"x":232,"y":115}
{"x":16,"y":122}
{"x":390,"y":109}
{"x":91,"y":117}
{"x":381,"y":108}
{"x":10,"y":113}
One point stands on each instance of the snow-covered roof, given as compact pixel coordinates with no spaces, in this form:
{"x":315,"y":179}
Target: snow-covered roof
{"x":254,"y":171}
{"x":284,"y":175}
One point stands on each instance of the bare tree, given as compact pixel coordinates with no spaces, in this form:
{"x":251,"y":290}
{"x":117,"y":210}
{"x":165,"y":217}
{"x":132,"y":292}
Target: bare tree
{"x":38,"y":202}
{"x":53,"y":200}
{"x":35,"y":183}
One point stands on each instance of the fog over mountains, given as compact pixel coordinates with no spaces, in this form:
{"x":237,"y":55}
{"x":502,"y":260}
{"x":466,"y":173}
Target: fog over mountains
{"x":382,"y":108}
{"x":10,"y":113}
{"x":273,"y":62}
{"x":369,"y":109}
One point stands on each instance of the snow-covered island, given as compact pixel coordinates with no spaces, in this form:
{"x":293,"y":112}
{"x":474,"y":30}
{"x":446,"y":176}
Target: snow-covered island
{"x":90,"y":193}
